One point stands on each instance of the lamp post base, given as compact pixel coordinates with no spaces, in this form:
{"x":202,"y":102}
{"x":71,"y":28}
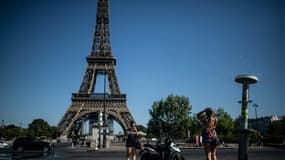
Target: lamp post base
{"x":243,"y":145}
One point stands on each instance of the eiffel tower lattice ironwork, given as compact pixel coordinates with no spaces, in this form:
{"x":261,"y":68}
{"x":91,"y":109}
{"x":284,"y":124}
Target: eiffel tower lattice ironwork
{"x":100,"y":62}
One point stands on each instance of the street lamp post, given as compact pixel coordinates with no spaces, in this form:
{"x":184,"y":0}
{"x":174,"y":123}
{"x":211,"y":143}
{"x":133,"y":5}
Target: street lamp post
{"x":102,"y":117}
{"x":256,"y":123}
{"x":104,"y":113}
{"x":245,"y":80}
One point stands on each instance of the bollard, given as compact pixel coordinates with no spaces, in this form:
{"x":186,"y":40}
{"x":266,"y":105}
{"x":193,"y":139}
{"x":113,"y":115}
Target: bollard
{"x":197,"y":141}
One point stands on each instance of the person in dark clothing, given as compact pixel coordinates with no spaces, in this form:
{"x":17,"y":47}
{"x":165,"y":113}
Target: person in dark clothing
{"x":131,"y":142}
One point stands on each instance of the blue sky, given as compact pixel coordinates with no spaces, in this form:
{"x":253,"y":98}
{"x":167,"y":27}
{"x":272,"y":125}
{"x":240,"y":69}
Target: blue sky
{"x":193,"y":48}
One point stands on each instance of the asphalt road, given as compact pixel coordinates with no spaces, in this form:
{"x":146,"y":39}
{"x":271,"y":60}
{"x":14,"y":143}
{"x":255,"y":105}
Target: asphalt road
{"x":66,"y":152}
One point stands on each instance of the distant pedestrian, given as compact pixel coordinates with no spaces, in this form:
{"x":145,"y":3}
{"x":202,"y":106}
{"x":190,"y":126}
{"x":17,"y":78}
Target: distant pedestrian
{"x":209,"y":135}
{"x":132,"y":141}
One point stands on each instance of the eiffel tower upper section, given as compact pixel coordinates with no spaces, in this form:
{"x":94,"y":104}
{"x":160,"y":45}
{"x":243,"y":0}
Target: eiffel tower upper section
{"x":101,"y":44}
{"x":101,"y":53}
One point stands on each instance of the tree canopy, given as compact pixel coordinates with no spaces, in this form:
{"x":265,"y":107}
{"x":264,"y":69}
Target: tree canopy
{"x":40,"y":127}
{"x":170,"y":117}
{"x":225,"y":123}
{"x":37,"y":128}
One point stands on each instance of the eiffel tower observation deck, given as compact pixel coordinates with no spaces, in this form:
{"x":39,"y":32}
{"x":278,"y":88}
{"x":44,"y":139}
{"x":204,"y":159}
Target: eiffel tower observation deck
{"x":87,"y":101}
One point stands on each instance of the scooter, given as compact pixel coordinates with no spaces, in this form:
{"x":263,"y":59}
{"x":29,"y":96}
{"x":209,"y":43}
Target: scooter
{"x":166,"y":151}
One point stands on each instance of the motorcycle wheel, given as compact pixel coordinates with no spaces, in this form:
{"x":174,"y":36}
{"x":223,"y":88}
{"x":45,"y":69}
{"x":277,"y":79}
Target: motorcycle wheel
{"x":145,"y":157}
{"x":149,"y":156}
{"x":177,"y":157}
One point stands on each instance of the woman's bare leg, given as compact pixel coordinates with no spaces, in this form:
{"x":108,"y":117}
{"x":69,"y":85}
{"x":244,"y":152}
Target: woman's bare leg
{"x":213,"y":151}
{"x":129,"y":153}
{"x":133,"y":154}
{"x":207,"y":151}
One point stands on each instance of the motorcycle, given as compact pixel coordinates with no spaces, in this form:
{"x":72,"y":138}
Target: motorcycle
{"x":166,"y":151}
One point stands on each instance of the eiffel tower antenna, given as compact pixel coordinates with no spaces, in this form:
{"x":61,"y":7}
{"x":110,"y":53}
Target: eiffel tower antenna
{"x":99,"y":62}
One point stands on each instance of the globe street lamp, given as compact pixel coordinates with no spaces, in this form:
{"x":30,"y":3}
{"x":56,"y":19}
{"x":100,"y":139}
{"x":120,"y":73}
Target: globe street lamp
{"x":245,"y":80}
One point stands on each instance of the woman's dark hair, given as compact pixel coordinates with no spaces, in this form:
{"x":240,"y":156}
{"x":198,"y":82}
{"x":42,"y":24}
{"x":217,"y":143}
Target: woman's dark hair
{"x":209,"y":112}
{"x":132,"y":122}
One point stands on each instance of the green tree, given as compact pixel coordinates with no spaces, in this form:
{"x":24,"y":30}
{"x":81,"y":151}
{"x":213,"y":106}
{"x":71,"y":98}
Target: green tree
{"x":54,"y":132}
{"x":196,"y":126}
{"x":225,"y":125}
{"x":141,"y":128}
{"x":40,"y":127}
{"x":11,"y":131}
{"x":170,"y":117}
{"x":237,"y":123}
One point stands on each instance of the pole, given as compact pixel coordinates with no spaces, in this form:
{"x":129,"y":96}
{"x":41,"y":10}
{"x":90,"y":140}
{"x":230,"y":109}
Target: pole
{"x":243,"y":144}
{"x":245,"y":80}
{"x":99,"y":127}
{"x":104,"y":113}
{"x":256,"y":122}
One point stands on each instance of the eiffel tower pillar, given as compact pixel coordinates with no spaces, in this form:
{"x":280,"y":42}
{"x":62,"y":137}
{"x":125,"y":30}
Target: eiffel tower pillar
{"x":99,"y":62}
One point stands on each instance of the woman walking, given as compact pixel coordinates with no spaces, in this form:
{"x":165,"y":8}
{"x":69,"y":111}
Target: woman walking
{"x":132,"y":141}
{"x":209,"y":135}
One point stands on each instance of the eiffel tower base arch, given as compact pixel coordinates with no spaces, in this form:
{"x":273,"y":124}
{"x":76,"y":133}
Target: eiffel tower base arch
{"x":115,"y":109}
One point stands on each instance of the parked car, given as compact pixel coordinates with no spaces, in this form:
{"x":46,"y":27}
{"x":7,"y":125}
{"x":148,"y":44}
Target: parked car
{"x":3,"y":145}
{"x":31,"y":144}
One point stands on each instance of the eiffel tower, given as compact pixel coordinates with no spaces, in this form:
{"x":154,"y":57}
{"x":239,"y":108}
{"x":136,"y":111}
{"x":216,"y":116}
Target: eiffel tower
{"x":100,"y":62}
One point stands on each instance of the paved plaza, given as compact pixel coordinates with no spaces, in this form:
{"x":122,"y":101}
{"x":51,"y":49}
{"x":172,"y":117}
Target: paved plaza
{"x":66,"y":152}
